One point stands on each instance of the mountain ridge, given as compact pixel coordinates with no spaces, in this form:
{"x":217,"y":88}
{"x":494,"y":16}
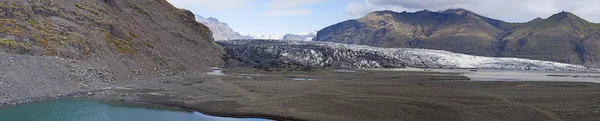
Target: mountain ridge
{"x":557,"y":38}
{"x":222,"y":31}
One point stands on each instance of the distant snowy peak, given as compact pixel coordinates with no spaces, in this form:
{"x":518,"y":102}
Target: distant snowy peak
{"x":264,"y":36}
{"x":300,"y":36}
{"x":222,"y":31}
{"x":304,"y":36}
{"x":314,"y":32}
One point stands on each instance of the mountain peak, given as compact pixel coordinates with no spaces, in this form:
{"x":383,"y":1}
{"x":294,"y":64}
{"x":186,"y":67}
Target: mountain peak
{"x":198,"y":16}
{"x":384,"y":12}
{"x":213,"y":19}
{"x":564,"y":15}
{"x":536,"y":19}
{"x":463,"y":31}
{"x":457,"y":11}
{"x":424,"y":10}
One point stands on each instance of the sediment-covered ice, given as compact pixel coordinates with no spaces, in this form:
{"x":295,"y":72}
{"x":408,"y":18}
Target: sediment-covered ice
{"x":276,"y":53}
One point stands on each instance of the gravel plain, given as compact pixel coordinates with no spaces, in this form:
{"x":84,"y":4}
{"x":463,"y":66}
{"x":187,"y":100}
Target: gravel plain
{"x":329,"y":95}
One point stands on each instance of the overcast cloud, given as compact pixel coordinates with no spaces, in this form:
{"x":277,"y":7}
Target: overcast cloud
{"x":288,"y":16}
{"x":289,"y":7}
{"x":211,"y":5}
{"x":508,"y":10}
{"x":291,"y":3}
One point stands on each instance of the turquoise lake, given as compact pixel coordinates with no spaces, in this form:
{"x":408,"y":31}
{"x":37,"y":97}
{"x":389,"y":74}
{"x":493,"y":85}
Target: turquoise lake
{"x":91,"y":110}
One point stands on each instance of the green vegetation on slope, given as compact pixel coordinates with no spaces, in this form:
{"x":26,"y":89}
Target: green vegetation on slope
{"x":121,"y":33}
{"x":557,"y":38}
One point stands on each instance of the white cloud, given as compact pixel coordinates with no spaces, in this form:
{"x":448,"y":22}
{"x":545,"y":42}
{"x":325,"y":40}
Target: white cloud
{"x":211,"y":5}
{"x":289,"y":7}
{"x":282,"y":4}
{"x":509,"y":10}
{"x":274,"y":7}
{"x":362,"y":8}
{"x":299,"y":12}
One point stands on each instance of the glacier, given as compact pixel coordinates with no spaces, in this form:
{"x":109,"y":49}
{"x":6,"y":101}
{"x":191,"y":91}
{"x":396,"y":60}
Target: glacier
{"x":311,"y":54}
{"x":299,"y":36}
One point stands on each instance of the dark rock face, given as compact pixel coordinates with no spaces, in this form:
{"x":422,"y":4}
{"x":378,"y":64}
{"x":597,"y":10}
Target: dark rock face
{"x":303,"y":55}
{"x":557,"y":38}
{"x":589,"y":49}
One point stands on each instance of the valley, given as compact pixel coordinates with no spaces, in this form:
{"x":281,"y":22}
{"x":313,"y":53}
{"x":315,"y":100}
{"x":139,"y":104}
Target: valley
{"x":86,"y":59}
{"x":352,"y":95}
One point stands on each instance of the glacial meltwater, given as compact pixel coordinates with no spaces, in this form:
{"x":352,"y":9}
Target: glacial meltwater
{"x":91,"y":110}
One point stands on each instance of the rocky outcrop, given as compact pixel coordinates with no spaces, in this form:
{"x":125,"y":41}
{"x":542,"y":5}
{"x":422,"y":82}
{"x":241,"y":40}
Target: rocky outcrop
{"x":304,"y":55}
{"x":150,"y":37}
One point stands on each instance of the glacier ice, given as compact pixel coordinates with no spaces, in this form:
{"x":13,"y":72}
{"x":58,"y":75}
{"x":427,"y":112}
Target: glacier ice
{"x":277,"y":53}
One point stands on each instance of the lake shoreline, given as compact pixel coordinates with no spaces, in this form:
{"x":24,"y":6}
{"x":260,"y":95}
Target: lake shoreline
{"x":176,"y":105}
{"x":250,"y":93}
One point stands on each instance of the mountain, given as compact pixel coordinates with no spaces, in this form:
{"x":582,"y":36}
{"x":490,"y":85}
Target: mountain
{"x":149,"y":37}
{"x":306,"y":36}
{"x":264,"y":36}
{"x":300,"y":36}
{"x":221,"y":31}
{"x":563,"y":37}
{"x":305,"y":55}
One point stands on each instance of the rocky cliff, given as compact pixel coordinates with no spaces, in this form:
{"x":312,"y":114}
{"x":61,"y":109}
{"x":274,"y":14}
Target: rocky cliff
{"x":306,"y":55}
{"x":125,"y":37}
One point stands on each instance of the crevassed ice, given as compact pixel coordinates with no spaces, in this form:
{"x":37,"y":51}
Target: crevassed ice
{"x":320,"y":54}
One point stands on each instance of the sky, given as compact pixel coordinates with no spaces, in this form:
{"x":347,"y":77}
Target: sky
{"x":290,"y":16}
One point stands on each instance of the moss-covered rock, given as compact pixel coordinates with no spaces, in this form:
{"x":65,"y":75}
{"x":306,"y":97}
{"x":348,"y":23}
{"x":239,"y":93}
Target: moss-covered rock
{"x":120,"y":33}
